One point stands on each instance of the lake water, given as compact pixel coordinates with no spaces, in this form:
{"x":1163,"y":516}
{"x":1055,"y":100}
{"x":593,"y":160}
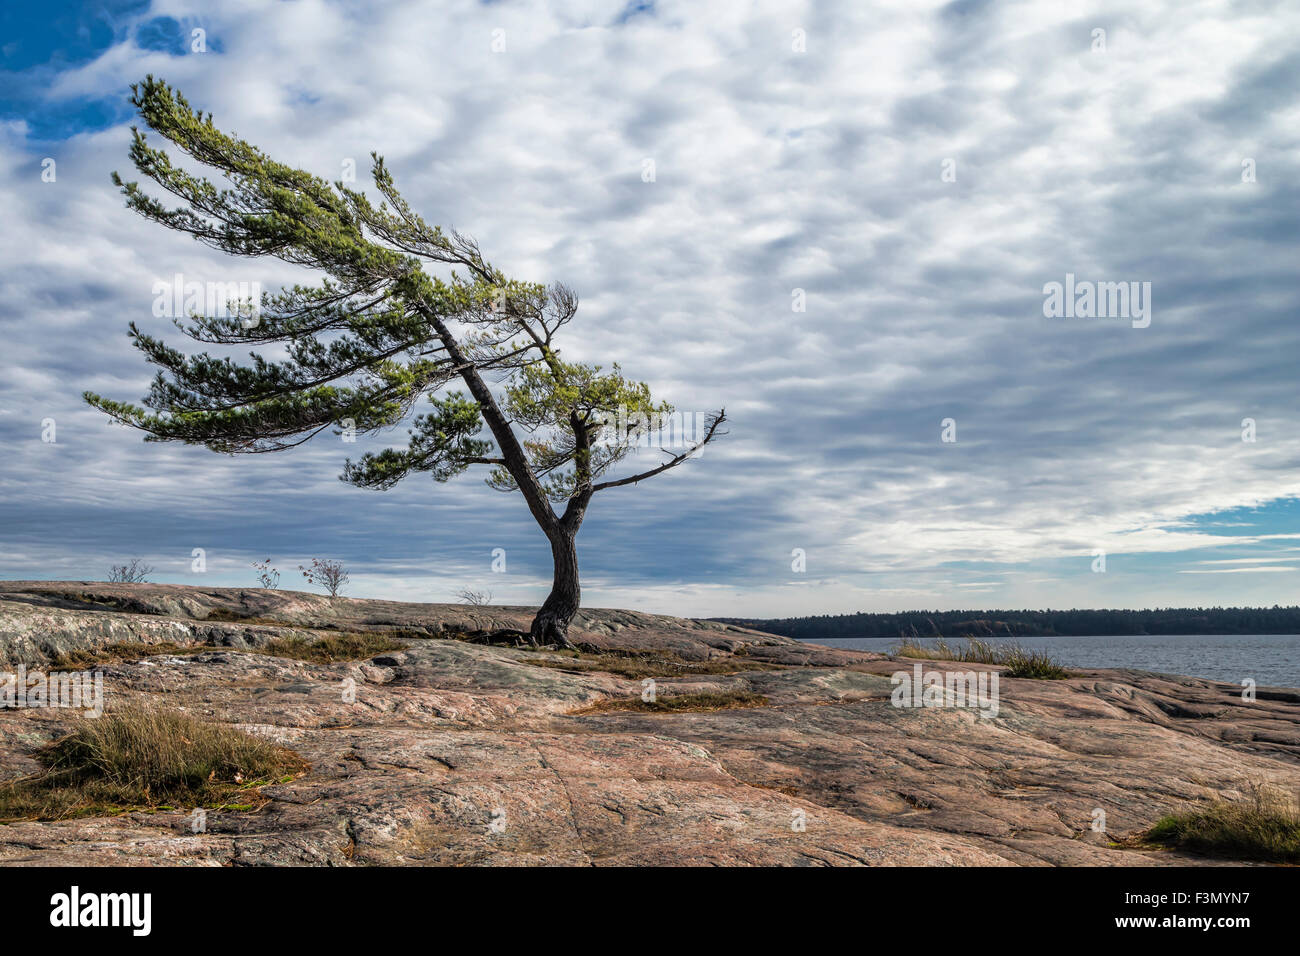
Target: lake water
{"x":1271,"y":660}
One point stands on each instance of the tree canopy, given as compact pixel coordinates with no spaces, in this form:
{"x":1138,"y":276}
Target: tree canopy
{"x":377,"y":335}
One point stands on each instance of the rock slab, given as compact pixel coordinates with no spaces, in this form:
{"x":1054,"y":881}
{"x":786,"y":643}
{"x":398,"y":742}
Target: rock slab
{"x":453,"y":753}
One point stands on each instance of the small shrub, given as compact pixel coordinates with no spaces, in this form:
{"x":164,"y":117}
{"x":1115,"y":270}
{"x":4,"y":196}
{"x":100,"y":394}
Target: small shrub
{"x":1265,"y":826}
{"x":330,"y":575}
{"x":474,"y":598}
{"x":137,"y":572}
{"x":139,"y":758}
{"x":268,"y":576}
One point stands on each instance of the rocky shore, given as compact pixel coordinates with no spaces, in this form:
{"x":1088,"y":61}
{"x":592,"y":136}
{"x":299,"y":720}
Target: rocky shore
{"x":448,"y":751}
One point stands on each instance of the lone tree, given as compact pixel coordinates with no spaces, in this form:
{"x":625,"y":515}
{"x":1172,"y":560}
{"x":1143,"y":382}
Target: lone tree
{"x":377,"y":334}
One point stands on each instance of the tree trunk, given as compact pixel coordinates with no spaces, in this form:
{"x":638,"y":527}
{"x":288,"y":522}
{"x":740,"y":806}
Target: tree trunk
{"x":551,"y":625}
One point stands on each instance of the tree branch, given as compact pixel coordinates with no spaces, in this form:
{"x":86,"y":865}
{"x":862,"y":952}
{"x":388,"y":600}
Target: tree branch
{"x":718,"y":419}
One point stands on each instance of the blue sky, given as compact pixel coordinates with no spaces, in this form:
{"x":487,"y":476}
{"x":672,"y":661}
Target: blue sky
{"x":920,"y":171}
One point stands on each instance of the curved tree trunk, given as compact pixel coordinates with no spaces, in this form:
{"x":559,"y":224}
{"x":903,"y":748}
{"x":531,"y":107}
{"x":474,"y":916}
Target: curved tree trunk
{"x":551,"y":625}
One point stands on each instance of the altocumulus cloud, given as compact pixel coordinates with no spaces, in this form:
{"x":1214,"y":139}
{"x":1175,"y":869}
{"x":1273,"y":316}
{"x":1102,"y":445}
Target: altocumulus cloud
{"x":920,"y":171}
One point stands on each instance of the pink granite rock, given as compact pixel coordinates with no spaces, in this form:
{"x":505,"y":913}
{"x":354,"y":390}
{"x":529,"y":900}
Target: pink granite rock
{"x":451,"y":752}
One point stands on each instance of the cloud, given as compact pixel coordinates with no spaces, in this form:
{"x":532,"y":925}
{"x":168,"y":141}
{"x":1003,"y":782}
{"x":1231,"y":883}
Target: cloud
{"x":1256,"y":570}
{"x":776,"y":170}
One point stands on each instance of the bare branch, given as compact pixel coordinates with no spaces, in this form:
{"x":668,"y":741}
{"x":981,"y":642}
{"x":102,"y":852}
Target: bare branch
{"x":709,"y":435}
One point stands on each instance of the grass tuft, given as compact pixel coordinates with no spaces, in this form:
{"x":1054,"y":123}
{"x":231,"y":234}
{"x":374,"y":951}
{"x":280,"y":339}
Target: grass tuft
{"x":340,"y":646}
{"x":1019,"y":662}
{"x":331,"y":647}
{"x":975,"y":651}
{"x":1036,"y":665}
{"x":1265,"y":826}
{"x":145,"y":759}
{"x":88,"y":658}
{"x":678,"y":703}
{"x":637,"y":664}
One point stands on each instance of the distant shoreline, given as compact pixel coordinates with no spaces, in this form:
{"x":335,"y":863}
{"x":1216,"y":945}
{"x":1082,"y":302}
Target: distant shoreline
{"x":1027,"y":623}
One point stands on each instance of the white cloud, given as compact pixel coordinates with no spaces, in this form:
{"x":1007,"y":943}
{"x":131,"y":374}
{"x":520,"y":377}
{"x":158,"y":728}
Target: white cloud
{"x":775,"y":170}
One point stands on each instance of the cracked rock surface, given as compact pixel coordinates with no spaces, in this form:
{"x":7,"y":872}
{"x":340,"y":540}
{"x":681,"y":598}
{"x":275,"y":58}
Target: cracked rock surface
{"x":455,"y":753}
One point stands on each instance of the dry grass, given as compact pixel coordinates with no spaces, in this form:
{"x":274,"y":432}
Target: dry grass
{"x":637,"y":664}
{"x":1037,"y":665}
{"x":331,"y":647}
{"x":678,"y":703}
{"x":975,"y":651}
{"x":1018,"y":661}
{"x":238,"y":617}
{"x":146,"y":759}
{"x":1264,"y":826}
{"x":225,"y":615}
{"x":88,"y":658}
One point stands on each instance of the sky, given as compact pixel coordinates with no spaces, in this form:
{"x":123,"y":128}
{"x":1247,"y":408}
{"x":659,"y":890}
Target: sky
{"x":839,"y":220}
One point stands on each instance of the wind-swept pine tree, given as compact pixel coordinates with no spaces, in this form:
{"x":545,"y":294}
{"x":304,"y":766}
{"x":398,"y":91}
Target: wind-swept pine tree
{"x":375,"y":336}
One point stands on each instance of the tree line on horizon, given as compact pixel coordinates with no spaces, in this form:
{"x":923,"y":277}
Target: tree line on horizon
{"x":1030,"y":623}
